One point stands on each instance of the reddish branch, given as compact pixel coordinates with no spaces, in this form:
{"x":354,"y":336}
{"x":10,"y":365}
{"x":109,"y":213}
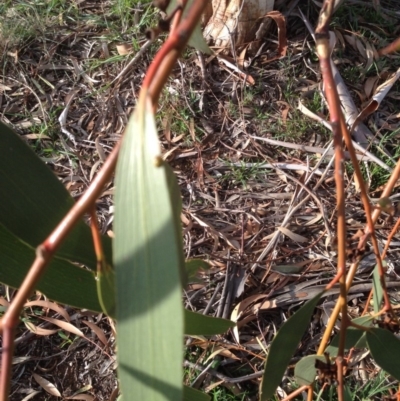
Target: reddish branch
{"x":336,"y":118}
{"x":340,"y":131}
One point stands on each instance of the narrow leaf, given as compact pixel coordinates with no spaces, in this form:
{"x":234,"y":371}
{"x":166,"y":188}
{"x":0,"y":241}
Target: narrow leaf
{"x":105,"y":281}
{"x":46,"y":385}
{"x":284,"y":346}
{"x":39,"y":331}
{"x":82,"y":397}
{"x":191,"y":394}
{"x":49,"y":305}
{"x":305,"y":370}
{"x":33,"y":201}
{"x":63,"y":282}
{"x":348,"y":395}
{"x":64,"y":325}
{"x":353,"y":336}
{"x":385,"y":348}
{"x":148,"y":260}
{"x":198,"y":324}
{"x":97,"y":330}
{"x":193,"y":266}
{"x":175,"y":199}
{"x":196,"y":39}
{"x":30,"y":395}
{"x":378,"y":291}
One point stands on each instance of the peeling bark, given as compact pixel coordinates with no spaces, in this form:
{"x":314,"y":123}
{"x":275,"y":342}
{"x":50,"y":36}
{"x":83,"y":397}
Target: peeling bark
{"x":235,"y":23}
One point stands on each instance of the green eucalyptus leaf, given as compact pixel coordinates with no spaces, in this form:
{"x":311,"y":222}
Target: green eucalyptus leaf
{"x":198,"y":324}
{"x":16,"y":257}
{"x":354,"y":337}
{"x":284,"y":346}
{"x":198,"y":42}
{"x":385,"y":348}
{"x":148,"y":260}
{"x":174,"y":193}
{"x":348,"y":396}
{"x":193,"y":266}
{"x":196,"y":39}
{"x":191,"y":394}
{"x":34,"y":201}
{"x":105,"y":281}
{"x":378,"y":291}
{"x":305,"y":370}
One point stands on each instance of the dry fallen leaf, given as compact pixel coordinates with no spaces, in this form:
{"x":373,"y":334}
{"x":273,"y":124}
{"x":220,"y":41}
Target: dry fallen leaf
{"x":30,"y":395}
{"x":4,"y":302}
{"x":64,"y":325}
{"x":39,"y":330}
{"x":376,"y":100}
{"x":124,"y":49}
{"x":84,"y":397}
{"x":46,"y":385}
{"x":97,"y":330}
{"x":222,"y":351}
{"x":292,"y":235}
{"x":50,"y":305}
{"x":240,"y":309}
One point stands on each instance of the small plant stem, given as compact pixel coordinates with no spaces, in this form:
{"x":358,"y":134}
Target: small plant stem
{"x":335,"y":313}
{"x":97,"y":244}
{"x":296,"y":393}
{"x":345,"y":319}
{"x":368,"y":301}
{"x":394,"y":177}
{"x":370,"y":229}
{"x":84,"y":203}
{"x":390,"y":237}
{"x":44,"y":253}
{"x":178,"y":15}
{"x":340,"y":378}
{"x":310,"y":393}
{"x":336,"y":117}
{"x":388,"y":241}
{"x":342,"y":302}
{"x":390,"y":48}
{"x":322,"y":41}
{"x":159,"y":71}
{"x":160,"y":77}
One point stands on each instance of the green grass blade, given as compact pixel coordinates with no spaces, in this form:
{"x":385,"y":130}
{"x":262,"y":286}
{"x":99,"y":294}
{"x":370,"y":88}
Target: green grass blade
{"x":63,"y":282}
{"x":284,"y":346}
{"x":198,"y":324}
{"x":148,"y":260}
{"x":385,"y":348}
{"x":33,"y":201}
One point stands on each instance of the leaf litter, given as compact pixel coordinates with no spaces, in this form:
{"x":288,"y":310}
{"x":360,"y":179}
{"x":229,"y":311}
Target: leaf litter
{"x":233,"y":126}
